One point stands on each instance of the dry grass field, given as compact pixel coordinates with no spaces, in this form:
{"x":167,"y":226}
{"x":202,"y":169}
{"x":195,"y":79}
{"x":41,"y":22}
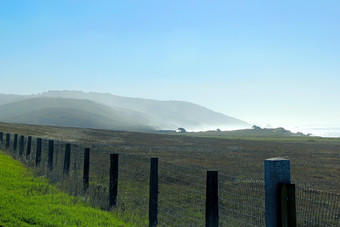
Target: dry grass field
{"x":314,"y":161}
{"x":184,"y":159}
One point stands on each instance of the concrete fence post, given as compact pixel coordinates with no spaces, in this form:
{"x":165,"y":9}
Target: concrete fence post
{"x":276,"y":172}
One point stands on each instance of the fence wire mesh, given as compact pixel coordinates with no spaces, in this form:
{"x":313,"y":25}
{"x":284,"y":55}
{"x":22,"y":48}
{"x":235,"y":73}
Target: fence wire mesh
{"x":317,"y":208}
{"x":242,"y":201}
{"x":181,"y":195}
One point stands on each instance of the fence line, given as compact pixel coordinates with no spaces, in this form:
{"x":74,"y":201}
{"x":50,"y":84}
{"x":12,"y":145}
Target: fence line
{"x":182,"y":190}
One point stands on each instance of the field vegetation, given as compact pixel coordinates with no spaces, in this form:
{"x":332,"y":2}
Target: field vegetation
{"x":184,"y":159}
{"x":29,"y":201}
{"x":314,"y":160}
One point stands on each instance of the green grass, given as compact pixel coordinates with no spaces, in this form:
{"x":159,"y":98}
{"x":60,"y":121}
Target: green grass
{"x":26,"y":200}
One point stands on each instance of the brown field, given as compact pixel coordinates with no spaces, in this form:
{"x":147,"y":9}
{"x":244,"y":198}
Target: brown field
{"x":314,"y":162}
{"x":183,"y":162}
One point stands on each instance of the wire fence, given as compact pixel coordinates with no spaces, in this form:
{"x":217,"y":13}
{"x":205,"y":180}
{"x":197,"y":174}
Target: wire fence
{"x":317,"y":208}
{"x":182,"y":189}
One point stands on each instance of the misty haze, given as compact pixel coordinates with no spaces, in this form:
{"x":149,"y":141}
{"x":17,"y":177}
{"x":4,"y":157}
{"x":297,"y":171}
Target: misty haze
{"x":105,"y":111}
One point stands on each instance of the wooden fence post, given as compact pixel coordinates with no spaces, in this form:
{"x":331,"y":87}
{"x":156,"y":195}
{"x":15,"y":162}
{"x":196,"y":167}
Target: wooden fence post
{"x":15,"y":142}
{"x":29,"y":147}
{"x":277,"y":171}
{"x":1,"y":138}
{"x":211,"y":205}
{"x":153,"y":197}
{"x":288,"y":208}
{"x":50,"y":155}
{"x":21,"y":145}
{"x":113,"y":189}
{"x":8,"y":139}
{"x":67,"y":158}
{"x":38,"y":154}
{"x":86,"y":171}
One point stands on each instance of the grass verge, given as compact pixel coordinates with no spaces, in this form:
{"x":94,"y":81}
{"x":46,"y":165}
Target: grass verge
{"x":26,"y":201}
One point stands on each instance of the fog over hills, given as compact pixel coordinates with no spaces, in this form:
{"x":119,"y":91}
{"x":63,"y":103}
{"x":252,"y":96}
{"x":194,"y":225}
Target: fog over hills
{"x":72,"y":113}
{"x":98,"y":110}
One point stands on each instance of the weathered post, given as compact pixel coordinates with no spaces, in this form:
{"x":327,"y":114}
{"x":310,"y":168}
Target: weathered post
{"x":86,"y":171}
{"x":276,"y":172}
{"x":67,"y":158}
{"x":21,"y":145}
{"x":8,"y":139}
{"x":29,"y":147}
{"x":113,"y":189}
{"x":50,"y":155}
{"x":1,"y":138}
{"x":153,"y":196}
{"x":211,"y":205}
{"x":288,"y":208}
{"x":38,"y":155}
{"x":15,"y":142}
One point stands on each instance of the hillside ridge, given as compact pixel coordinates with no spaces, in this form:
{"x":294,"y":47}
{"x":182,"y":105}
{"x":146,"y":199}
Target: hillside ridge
{"x":151,"y":114}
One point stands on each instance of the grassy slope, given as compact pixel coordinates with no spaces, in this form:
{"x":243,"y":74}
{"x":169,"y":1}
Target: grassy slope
{"x":26,"y":200}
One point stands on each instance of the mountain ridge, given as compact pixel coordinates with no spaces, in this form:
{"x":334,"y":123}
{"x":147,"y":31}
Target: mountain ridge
{"x":68,"y":112}
{"x":154,"y":114}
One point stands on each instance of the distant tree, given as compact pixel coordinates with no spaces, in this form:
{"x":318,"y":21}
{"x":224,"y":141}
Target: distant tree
{"x":182,"y":130}
{"x":300,"y":134}
{"x":256,"y":127}
{"x":218,"y":130}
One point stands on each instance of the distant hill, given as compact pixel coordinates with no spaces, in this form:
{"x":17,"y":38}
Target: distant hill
{"x":71,"y":113}
{"x":149,"y":113}
{"x":161,"y":114}
{"x":253,"y":133}
{"x":4,"y":98}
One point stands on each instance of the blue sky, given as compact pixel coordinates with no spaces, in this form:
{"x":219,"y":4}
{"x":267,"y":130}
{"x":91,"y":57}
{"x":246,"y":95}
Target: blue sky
{"x":275,"y":62}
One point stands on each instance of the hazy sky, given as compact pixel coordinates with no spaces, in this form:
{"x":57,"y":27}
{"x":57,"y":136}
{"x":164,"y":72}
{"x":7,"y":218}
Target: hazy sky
{"x":259,"y":61}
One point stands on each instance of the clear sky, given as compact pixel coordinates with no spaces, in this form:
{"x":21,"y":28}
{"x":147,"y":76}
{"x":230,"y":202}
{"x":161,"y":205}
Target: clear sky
{"x":275,"y":62}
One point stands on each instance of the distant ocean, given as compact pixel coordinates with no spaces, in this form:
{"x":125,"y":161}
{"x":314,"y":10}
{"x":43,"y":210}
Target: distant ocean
{"x":324,"y":131}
